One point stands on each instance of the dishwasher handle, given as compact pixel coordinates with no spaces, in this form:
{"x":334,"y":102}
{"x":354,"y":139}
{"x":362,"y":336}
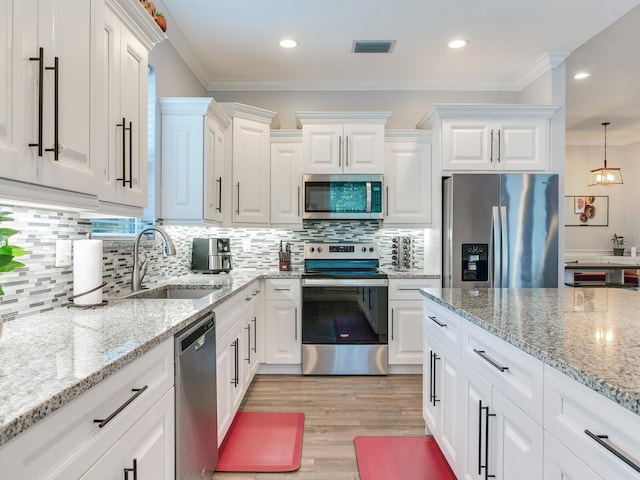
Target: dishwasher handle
{"x":195,"y":333}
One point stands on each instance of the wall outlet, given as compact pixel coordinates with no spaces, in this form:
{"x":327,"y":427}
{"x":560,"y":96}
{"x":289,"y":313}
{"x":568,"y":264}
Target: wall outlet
{"x":63,"y":253}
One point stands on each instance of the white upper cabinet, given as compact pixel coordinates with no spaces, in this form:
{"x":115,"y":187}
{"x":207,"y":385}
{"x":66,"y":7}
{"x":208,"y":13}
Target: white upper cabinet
{"x":342,"y":142}
{"x":407,"y":178}
{"x":250,"y":163}
{"x":124,"y":106}
{"x":286,"y":177}
{"x":193,"y":156}
{"x":492,"y":137}
{"x":49,"y":76}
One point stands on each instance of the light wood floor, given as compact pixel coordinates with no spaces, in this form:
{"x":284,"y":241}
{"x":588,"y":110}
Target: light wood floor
{"x":336,"y":409}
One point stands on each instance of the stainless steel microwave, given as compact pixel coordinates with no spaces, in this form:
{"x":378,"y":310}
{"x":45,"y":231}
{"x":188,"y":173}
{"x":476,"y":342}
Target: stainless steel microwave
{"x":342,"y":197}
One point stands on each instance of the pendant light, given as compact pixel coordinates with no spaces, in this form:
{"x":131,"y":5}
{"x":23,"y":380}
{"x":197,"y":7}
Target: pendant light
{"x":605,"y":176}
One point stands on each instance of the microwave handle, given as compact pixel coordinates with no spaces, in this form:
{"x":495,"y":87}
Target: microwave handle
{"x":368,"y":197}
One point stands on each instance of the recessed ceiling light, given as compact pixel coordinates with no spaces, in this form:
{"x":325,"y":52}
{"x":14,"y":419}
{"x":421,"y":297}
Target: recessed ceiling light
{"x":459,"y":43}
{"x":581,"y":75}
{"x":288,"y":43}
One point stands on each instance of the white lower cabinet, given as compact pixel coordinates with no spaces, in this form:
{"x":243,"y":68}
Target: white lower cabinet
{"x":237,"y":352}
{"x":602,"y":435}
{"x":146,"y":451}
{"x":135,"y":407}
{"x":480,"y":430}
{"x":283,"y":342}
{"x":561,"y":464}
{"x":405,"y":320}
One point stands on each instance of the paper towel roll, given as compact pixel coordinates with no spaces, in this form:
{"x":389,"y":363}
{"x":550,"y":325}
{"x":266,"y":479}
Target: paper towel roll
{"x":87,"y":271}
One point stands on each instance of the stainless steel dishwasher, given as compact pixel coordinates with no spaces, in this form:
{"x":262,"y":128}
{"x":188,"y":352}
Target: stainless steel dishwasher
{"x":196,"y":400}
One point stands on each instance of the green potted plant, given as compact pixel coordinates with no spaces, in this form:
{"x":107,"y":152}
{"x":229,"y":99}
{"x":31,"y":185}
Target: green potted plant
{"x":618,"y":244}
{"x":8,"y":252}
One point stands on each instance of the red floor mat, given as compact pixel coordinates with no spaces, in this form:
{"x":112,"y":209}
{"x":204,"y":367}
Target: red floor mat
{"x":401,"y":458}
{"x":262,"y":442}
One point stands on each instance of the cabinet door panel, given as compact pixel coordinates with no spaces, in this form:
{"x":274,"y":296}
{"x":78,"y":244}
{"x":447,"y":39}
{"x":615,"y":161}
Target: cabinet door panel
{"x":561,"y":464}
{"x":322,"y":149}
{"x":251,"y":152}
{"x":283,"y":344}
{"x":363,"y":149}
{"x":450,"y":438}
{"x":405,"y":345}
{"x":519,"y":449}
{"x":408,"y":182}
{"x":522,"y":144}
{"x":286,"y":179}
{"x":133,"y":107}
{"x":466,"y":145}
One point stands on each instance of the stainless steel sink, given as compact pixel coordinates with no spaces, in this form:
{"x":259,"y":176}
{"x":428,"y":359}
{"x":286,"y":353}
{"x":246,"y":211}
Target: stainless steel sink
{"x":175,"y":292}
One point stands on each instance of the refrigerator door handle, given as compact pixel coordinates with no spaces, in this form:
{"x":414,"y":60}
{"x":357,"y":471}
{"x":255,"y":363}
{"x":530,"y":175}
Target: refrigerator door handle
{"x":497,"y":250}
{"x":503,"y":247}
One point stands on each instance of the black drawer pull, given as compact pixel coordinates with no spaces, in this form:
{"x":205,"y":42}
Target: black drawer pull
{"x":600,"y":438}
{"x":437,"y":322}
{"x":490,"y":360}
{"x":134,"y":470}
{"x":138,"y":391}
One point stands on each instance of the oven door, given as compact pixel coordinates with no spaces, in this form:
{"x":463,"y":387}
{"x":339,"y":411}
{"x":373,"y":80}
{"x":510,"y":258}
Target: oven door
{"x":344,"y":326}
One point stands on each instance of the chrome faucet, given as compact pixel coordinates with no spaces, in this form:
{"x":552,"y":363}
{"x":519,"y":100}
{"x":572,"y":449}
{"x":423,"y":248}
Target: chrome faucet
{"x":140,"y":269}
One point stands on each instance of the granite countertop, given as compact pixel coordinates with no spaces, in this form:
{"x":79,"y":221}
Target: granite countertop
{"x":589,"y":334}
{"x":49,"y":359}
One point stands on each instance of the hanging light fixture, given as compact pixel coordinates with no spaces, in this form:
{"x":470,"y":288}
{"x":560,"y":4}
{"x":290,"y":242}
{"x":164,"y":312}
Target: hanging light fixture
{"x":605,"y":176}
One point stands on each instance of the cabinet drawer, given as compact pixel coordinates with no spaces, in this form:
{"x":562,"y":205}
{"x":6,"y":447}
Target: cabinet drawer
{"x":571,"y":409}
{"x":285,"y":289}
{"x":409,"y":289}
{"x":443,"y":324}
{"x":515,"y":373}
{"x":69,"y":440}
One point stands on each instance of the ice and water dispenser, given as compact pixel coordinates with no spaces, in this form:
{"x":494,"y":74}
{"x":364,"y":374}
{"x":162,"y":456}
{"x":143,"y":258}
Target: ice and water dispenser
{"x":475,"y":262}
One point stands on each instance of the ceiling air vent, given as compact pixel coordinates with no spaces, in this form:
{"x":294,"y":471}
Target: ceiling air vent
{"x":373,"y":46}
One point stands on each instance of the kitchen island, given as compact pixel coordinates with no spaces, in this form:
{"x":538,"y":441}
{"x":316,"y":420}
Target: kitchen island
{"x":550,"y":376}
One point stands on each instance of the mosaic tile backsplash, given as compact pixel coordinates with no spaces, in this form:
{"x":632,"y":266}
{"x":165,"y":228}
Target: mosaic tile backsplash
{"x":41,"y":286}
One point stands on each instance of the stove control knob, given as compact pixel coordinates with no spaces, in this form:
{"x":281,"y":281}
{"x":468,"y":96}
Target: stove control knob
{"x":312,"y":249}
{"x":371,"y":249}
{"x":364,"y":249}
{"x":319,"y":249}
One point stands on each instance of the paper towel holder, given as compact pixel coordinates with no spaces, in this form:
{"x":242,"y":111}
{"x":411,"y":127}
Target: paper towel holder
{"x":73,"y":297}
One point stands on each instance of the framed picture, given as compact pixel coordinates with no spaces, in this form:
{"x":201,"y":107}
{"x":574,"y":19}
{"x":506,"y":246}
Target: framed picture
{"x":586,"y":211}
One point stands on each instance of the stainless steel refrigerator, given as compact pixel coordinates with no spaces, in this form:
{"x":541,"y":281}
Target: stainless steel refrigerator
{"x":500,"y":230}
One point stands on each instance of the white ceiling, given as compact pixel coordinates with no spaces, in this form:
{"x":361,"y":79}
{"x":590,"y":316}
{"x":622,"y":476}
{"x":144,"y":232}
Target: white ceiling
{"x":233,"y":45}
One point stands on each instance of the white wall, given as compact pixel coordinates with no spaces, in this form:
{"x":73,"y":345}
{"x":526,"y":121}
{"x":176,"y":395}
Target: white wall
{"x":173,"y":77}
{"x":624,"y":215}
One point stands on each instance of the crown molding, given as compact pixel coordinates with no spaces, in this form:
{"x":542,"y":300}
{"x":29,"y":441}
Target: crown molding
{"x":371,"y":118}
{"x":546,"y":62}
{"x":138,"y":20}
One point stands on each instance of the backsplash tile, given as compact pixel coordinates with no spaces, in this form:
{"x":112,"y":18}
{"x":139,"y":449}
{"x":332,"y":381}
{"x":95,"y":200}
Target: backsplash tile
{"x":41,"y":287}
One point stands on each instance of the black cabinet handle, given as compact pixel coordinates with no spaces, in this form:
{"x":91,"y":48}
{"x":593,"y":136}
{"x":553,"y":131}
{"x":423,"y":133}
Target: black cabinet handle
{"x":295,"y":324}
{"x":124,"y":153}
{"x":392,"y":324}
{"x":600,"y":439}
{"x":388,"y":203}
{"x":248,"y":329}
{"x":138,"y":391}
{"x":298,"y":200}
{"x":235,"y":380}
{"x":490,"y":360}
{"x":435,"y":398}
{"x":435,"y":320}
{"x":40,"y":60}
{"x":346,"y":148}
{"x":219,"y":181}
{"x":56,"y":111}
{"x":238,"y":205}
{"x":340,"y":151}
{"x":498,"y":146}
{"x":255,"y":334}
{"x":134,"y":470}
{"x":491,"y":147}
{"x":486,"y":441}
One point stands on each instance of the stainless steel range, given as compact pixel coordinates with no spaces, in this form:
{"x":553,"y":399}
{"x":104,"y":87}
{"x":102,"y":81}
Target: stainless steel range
{"x":344,"y":310}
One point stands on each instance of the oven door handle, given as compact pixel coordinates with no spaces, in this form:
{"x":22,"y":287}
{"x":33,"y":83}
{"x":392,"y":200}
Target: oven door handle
{"x":345,"y":282}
